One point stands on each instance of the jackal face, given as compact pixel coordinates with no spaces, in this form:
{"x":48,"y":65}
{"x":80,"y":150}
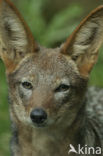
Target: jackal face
{"x":47,"y":86}
{"x":47,"y":82}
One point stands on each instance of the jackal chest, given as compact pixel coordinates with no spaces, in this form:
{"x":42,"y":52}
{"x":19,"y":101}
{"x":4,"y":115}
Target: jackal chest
{"x":43,"y":145}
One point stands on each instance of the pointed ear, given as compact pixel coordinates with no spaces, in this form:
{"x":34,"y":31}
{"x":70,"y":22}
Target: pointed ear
{"x":16,"y":40}
{"x":83,"y":45}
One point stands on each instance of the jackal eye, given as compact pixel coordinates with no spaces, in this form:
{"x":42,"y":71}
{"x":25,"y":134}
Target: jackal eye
{"x":62,"y":88}
{"x":27,"y":85}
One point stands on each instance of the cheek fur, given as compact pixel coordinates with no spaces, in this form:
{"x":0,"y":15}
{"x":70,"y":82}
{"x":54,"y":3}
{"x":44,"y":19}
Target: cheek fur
{"x":24,"y":93}
{"x":62,"y":98}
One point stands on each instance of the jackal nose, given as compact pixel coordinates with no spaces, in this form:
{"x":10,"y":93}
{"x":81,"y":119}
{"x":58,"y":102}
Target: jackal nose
{"x":38,"y":116}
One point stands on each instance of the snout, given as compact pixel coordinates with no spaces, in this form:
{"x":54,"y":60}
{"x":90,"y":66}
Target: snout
{"x":38,"y":116}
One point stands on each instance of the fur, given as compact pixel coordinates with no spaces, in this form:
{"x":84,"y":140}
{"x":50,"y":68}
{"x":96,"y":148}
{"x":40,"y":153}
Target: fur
{"x":54,"y":80}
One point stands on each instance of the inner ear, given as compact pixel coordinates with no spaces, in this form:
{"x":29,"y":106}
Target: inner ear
{"x":14,"y":30}
{"x":16,"y":38}
{"x":84,"y":43}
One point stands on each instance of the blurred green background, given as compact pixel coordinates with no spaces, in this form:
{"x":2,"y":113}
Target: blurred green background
{"x":51,"y":22}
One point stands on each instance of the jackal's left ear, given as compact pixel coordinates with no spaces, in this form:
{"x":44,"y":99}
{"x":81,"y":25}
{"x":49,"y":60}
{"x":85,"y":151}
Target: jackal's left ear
{"x":83,"y":45}
{"x":16,"y":40}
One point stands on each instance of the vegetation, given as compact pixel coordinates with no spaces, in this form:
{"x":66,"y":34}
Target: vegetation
{"x":50,"y":28}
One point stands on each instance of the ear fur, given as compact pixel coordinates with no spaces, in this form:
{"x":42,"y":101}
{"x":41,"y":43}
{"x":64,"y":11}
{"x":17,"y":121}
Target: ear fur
{"x":16,"y":40}
{"x":83,"y":45}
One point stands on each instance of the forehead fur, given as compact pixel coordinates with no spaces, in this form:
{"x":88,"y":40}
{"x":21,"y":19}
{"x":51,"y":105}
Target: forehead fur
{"x":47,"y":61}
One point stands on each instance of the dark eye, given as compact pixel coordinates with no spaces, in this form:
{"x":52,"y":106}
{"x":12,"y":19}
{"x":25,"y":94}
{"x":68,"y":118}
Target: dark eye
{"x":62,"y":88}
{"x":27,"y":85}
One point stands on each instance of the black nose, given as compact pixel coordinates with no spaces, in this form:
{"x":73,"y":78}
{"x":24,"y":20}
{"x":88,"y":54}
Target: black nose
{"x":38,"y":116}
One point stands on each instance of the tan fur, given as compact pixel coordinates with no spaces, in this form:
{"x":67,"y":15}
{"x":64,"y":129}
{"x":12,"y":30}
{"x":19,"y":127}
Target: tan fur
{"x":56,"y":82}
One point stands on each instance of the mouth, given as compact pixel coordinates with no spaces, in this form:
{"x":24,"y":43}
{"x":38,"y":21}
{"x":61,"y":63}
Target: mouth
{"x":41,"y":125}
{"x":45,"y":124}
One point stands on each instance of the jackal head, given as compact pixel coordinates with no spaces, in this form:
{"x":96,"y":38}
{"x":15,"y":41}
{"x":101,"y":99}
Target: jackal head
{"x":47,"y":86}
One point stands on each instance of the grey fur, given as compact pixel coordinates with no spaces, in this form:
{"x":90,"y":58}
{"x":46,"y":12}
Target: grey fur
{"x":56,"y":81}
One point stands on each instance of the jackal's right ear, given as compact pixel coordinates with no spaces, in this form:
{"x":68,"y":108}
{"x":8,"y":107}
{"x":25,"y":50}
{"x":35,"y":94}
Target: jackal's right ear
{"x":16,"y":40}
{"x":83,"y":45}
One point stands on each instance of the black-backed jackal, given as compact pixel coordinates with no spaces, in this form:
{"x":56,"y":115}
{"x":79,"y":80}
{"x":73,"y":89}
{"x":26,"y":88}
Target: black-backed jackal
{"x":50,"y":109}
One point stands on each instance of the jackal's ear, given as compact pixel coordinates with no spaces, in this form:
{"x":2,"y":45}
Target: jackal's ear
{"x":83,"y":45}
{"x":16,"y":40}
